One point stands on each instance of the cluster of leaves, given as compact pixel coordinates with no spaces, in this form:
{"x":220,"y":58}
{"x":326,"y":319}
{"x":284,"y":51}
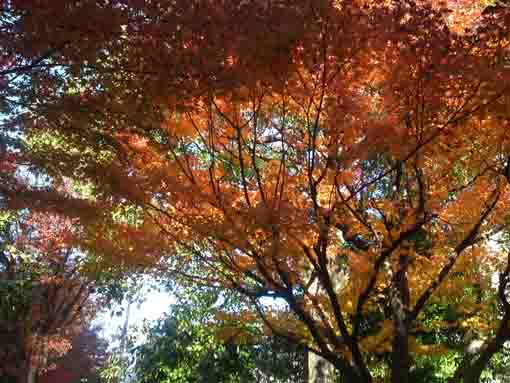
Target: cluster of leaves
{"x":42,"y":300}
{"x":192,"y":345}
{"x":82,"y":362}
{"x":47,"y":300}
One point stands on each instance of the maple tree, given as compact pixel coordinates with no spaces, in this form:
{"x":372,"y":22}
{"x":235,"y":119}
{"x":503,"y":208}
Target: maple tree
{"x":83,"y":361}
{"x":45,"y":299}
{"x":348,"y":157}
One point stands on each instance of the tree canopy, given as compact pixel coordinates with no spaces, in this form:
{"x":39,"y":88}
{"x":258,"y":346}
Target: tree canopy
{"x":198,"y":343}
{"x":348,"y":158}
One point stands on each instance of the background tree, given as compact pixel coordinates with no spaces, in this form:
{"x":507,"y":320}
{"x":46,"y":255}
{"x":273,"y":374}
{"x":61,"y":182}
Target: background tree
{"x":82,"y":362}
{"x":47,"y":299}
{"x":192,"y":344}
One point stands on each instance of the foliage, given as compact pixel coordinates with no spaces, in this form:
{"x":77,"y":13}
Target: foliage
{"x":82,"y":362}
{"x":46,"y":300}
{"x":350,"y":158}
{"x":190,"y":345}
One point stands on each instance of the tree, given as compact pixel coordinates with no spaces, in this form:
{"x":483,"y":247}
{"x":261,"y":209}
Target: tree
{"x":192,"y":344}
{"x":350,"y":158}
{"x":82,"y":363}
{"x":45,"y":299}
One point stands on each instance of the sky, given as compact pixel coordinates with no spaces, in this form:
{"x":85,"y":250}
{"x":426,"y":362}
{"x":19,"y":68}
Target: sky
{"x":156,"y":304}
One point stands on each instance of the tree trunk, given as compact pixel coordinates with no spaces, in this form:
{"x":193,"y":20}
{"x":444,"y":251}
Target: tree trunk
{"x":400,"y":297}
{"x":29,"y":375}
{"x":319,"y":369}
{"x":32,"y":375}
